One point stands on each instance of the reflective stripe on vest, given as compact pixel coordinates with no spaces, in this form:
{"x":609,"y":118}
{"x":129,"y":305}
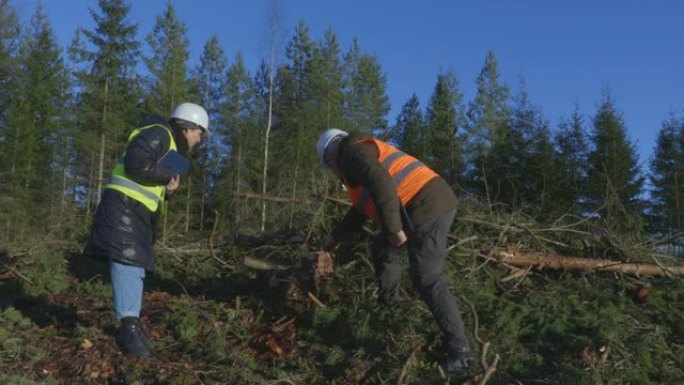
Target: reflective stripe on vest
{"x":409,"y":175}
{"x":150,"y":196}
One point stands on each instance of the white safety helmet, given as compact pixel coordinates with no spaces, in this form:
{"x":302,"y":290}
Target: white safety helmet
{"x":192,"y":113}
{"x":324,"y":140}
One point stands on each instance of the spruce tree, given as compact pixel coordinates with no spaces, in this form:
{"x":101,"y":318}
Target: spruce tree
{"x":326,"y":91}
{"x":169,"y":84}
{"x":209,"y":78}
{"x":528,"y":170}
{"x":366,"y":100}
{"x":9,"y":40}
{"x":444,"y":117}
{"x":109,"y":96}
{"x":614,"y":180}
{"x":666,"y":206}
{"x":325,"y":87}
{"x":294,"y":127}
{"x":571,"y":149}
{"x":410,"y":133}
{"x":34,"y":120}
{"x":488,"y":117}
{"x":241,"y":163}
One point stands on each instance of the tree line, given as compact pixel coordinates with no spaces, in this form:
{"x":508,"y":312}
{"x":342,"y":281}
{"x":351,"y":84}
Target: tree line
{"x":66,"y":113}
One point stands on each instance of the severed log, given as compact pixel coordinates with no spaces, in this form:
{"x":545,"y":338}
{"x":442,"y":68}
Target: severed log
{"x":259,"y":264}
{"x":542,"y":260}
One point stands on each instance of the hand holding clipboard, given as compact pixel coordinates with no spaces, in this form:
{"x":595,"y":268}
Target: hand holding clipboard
{"x":174,"y":162}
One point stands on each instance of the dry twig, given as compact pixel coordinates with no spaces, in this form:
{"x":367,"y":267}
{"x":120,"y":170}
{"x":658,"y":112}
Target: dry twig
{"x":488,"y":368}
{"x":408,"y":363}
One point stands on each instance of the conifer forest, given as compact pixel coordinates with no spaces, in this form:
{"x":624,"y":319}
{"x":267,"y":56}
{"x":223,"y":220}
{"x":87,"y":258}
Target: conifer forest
{"x":565,"y":256}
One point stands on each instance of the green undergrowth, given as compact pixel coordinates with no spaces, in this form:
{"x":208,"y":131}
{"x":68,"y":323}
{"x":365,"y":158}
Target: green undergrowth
{"x":548,"y":327}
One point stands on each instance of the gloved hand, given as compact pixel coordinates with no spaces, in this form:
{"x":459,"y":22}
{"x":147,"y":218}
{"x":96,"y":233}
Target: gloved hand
{"x":330,"y":244}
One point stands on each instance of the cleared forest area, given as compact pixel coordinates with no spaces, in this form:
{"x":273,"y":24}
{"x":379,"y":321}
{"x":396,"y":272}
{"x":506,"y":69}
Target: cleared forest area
{"x":566,"y":256}
{"x":240,"y":314}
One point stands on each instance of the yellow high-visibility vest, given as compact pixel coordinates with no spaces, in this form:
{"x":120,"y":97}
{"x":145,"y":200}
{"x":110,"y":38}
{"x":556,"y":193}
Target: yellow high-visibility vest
{"x":151,"y":196}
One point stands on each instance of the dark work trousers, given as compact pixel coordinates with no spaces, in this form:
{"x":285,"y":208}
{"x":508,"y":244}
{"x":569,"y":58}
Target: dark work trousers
{"x":427,"y":245}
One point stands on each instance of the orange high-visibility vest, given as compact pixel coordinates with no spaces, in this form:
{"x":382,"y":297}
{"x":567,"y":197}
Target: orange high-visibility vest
{"x":408,"y":174}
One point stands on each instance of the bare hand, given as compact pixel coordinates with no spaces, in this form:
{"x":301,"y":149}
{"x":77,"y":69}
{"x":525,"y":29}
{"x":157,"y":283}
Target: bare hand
{"x":324,"y":267}
{"x":173,"y":184}
{"x":397,"y":239}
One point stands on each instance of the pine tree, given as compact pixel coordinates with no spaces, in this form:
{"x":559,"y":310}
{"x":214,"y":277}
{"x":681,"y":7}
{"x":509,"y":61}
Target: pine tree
{"x":614,"y":179}
{"x":444,"y":117}
{"x":667,"y":178}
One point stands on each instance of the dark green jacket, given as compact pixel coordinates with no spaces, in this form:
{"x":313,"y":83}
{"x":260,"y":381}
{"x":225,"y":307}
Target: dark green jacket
{"x":360,"y":166}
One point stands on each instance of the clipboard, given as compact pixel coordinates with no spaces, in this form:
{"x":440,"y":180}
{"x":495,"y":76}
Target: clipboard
{"x":174,"y":162}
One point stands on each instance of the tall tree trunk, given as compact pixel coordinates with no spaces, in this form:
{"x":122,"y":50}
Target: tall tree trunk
{"x":187,"y":206}
{"x":238,"y":202}
{"x":294,"y":194}
{"x":270,"y":115}
{"x":205,"y":177}
{"x":65,"y":158}
{"x":103,"y":142}
{"x":164,"y":222}
{"x":542,"y":260}
{"x":91,"y":186}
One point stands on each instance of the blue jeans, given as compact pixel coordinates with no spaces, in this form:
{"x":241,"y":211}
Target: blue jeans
{"x":127,"y":289}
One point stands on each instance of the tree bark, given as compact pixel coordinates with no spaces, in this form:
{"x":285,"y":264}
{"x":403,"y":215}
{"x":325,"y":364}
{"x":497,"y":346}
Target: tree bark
{"x":274,"y":18}
{"x":100,"y":173}
{"x":542,"y":260}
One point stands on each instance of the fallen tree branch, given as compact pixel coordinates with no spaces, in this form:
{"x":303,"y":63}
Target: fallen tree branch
{"x":250,"y":195}
{"x":407,"y":364}
{"x":17,"y":273}
{"x":259,"y":264}
{"x":542,"y":260}
{"x":487,"y":368}
{"x":308,"y":294}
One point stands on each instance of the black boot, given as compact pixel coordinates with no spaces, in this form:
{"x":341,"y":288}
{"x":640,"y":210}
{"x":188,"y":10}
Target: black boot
{"x":456,"y":360}
{"x":131,"y":338}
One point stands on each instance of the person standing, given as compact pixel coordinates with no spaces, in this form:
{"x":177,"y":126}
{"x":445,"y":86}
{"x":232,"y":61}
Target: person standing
{"x":414,"y":208}
{"x":124,"y":224}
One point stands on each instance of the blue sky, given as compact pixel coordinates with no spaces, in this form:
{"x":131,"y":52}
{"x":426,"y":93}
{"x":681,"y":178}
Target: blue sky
{"x":567,"y":52}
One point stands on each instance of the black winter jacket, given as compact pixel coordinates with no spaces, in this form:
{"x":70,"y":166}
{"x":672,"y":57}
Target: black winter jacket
{"x":123,"y":228}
